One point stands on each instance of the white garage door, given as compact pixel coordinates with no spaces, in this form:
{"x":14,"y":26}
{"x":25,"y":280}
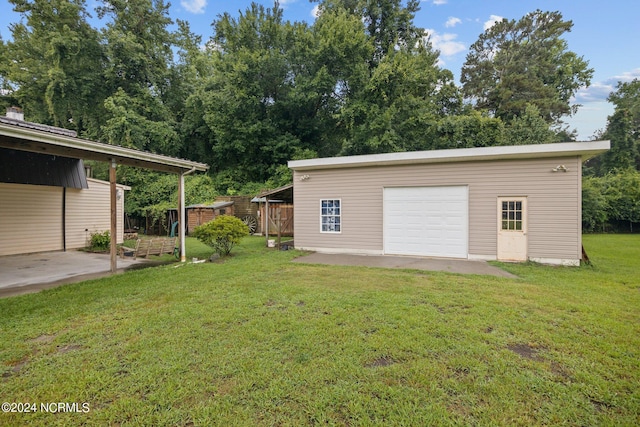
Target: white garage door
{"x":427,"y":221}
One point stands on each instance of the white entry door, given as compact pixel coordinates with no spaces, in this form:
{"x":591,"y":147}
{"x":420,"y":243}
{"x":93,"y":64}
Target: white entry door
{"x":426,"y":221}
{"x":512,"y":229}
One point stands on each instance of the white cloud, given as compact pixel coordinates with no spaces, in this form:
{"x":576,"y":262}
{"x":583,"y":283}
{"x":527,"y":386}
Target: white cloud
{"x":626,"y":76}
{"x":439,"y":2}
{"x":446,"y":43}
{"x":493,"y":20}
{"x":600,"y":91}
{"x":595,"y":93}
{"x":315,"y":12}
{"x":452,"y":22}
{"x":194,"y":6}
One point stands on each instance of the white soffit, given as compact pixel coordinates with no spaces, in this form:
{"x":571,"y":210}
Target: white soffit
{"x":586,"y":150}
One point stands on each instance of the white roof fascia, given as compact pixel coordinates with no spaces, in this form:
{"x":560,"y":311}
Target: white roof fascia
{"x":586,"y":150}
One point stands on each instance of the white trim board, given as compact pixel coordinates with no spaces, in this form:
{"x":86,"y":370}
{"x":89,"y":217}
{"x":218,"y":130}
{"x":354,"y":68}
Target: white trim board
{"x":585,"y":150}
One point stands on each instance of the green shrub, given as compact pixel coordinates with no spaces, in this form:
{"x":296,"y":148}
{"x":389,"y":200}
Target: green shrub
{"x":100,"y":241}
{"x":222,"y":234}
{"x":594,"y":204}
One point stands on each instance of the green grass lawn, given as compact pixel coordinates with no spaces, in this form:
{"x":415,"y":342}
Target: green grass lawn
{"x":257,"y":340}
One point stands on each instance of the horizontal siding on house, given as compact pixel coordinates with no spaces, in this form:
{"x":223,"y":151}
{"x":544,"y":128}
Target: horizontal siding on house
{"x":90,"y":210}
{"x":553,"y":202}
{"x":30,"y":218}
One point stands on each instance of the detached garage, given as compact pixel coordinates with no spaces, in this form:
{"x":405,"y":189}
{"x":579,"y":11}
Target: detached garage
{"x":511,"y":203}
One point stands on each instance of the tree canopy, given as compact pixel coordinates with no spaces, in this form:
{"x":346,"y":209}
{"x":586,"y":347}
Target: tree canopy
{"x":52,"y":67}
{"x":261,"y":90}
{"x":611,"y":196}
{"x":517,"y":63}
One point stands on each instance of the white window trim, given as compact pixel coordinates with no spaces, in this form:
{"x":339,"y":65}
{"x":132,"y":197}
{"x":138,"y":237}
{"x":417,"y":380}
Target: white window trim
{"x":339,"y":216}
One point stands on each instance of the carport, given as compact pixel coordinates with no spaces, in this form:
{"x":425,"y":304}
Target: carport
{"x":21,"y":136}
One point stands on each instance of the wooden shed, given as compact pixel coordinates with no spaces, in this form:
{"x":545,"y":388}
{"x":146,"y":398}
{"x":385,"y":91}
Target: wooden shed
{"x":244,"y":209}
{"x":202,"y":213}
{"x":275,"y":211}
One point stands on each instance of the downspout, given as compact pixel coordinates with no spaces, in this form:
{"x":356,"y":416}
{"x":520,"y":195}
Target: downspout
{"x":182,"y":213}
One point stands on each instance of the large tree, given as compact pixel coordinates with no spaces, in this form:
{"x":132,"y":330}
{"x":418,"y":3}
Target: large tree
{"x":53,"y":65}
{"x":517,"y":63}
{"x":244,"y":99}
{"x":396,"y":100}
{"x":623,"y":128}
{"x":139,"y":76}
{"x":399,"y":105}
{"x":388,"y":23}
{"x":275,"y":90}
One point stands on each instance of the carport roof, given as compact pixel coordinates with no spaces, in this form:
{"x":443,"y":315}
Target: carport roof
{"x":586,"y":150}
{"x":15,"y":135}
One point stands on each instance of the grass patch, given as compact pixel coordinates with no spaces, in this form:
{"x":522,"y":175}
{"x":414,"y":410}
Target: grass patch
{"x":257,"y":340}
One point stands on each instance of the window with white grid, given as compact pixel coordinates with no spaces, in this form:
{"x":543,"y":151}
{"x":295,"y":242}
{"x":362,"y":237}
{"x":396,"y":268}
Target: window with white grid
{"x":330,"y":216}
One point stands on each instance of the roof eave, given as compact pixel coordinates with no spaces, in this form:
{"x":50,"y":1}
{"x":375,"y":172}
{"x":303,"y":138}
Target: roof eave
{"x":585,"y":150}
{"x":27,"y":139}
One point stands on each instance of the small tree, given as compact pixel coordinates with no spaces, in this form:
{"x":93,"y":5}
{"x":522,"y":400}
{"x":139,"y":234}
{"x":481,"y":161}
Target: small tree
{"x":222,"y":234}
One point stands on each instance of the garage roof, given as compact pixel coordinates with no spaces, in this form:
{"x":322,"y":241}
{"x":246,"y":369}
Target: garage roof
{"x":584,"y":149}
{"x":25,"y":136}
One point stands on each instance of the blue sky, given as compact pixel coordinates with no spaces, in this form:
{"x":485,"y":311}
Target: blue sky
{"x":606,"y":34}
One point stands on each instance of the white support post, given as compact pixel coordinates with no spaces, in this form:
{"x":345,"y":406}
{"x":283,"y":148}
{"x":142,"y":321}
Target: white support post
{"x":182,"y":218}
{"x":266,"y":219}
{"x":114,"y":216}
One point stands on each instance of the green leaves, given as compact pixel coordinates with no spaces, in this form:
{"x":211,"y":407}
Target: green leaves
{"x":516,"y":63}
{"x":222,"y":234}
{"x":623,"y":128}
{"x":611,"y":201}
{"x":53,"y":64}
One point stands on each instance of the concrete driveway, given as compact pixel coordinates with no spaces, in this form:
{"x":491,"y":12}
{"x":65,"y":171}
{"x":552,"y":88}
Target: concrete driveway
{"x":417,"y":263}
{"x":20,"y":274}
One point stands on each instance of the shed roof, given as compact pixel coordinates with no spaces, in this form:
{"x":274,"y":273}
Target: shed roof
{"x":215,"y":205}
{"x":26,"y":136}
{"x":283,"y":194}
{"x":584,"y":149}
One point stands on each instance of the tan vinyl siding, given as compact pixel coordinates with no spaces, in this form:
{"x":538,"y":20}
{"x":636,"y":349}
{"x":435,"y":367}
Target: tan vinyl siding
{"x":90,"y":210}
{"x":553,"y":202}
{"x":30,"y":218}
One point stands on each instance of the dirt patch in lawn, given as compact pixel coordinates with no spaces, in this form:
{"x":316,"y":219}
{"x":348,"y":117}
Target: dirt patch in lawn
{"x":15,"y":368}
{"x":381,"y":362}
{"x":524,"y":350}
{"x":68,"y":348}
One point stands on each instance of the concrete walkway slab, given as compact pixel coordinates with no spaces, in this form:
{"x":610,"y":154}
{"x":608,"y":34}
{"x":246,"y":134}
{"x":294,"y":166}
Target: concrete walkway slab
{"x":417,"y":263}
{"x":33,"y":272}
